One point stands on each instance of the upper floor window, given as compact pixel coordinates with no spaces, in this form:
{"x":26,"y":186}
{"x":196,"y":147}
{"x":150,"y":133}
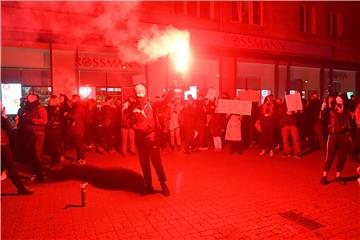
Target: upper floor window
{"x":335,"y":25}
{"x":307,"y":19}
{"x":199,"y":9}
{"x":247,"y":12}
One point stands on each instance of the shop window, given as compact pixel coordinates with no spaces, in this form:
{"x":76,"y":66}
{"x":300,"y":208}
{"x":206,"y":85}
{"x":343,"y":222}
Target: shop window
{"x":10,"y":97}
{"x":307,"y":19}
{"x":247,"y":12}
{"x":43,"y":91}
{"x":30,"y":77}
{"x":335,"y":25}
{"x":198,"y":9}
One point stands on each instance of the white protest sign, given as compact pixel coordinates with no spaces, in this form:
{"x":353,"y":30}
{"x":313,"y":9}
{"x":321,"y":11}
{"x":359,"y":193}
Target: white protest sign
{"x":234,"y":107}
{"x":249,"y":95}
{"x":293,"y":102}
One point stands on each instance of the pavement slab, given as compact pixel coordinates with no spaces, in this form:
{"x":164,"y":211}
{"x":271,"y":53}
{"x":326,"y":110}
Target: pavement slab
{"x":213,"y":196}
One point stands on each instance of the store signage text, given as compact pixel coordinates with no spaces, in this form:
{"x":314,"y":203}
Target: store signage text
{"x":249,"y":42}
{"x":109,"y":63}
{"x":280,"y":46}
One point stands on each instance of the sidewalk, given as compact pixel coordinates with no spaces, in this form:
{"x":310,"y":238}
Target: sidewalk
{"x":213,"y":196}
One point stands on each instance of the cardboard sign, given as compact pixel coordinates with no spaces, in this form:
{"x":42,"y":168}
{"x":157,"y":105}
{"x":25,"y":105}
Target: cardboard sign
{"x":249,"y":95}
{"x":234,"y":107}
{"x":293,"y":102}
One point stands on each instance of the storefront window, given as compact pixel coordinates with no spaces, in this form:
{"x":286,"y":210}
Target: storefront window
{"x":203,"y":73}
{"x":305,"y":79}
{"x":343,"y":81}
{"x":31,"y":80}
{"x":10,"y":97}
{"x":255,"y":76}
{"x":43,"y":92}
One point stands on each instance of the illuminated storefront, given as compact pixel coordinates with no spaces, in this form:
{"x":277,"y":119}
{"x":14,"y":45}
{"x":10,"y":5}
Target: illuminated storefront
{"x":28,"y":68}
{"x":103,"y":75}
{"x":233,"y":46}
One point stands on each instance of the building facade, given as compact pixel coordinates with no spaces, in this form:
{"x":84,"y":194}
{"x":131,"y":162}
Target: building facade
{"x":275,"y":47}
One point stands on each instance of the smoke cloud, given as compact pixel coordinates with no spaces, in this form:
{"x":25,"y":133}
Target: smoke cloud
{"x":157,"y":43}
{"x":93,"y":23}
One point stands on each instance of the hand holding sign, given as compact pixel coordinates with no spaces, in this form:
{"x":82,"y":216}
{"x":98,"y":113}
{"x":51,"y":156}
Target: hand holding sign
{"x":293,"y":102}
{"x":234,"y":107}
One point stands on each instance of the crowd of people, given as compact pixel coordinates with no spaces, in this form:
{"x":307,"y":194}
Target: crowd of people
{"x":331,"y":124}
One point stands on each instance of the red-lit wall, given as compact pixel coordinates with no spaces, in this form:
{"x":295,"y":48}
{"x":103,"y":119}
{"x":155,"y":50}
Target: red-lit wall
{"x":24,"y":23}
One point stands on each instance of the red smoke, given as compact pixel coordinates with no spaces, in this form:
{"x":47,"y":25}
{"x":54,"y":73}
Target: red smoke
{"x":114,"y":24}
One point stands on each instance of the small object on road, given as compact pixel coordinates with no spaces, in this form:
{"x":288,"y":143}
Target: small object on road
{"x":83,"y":194}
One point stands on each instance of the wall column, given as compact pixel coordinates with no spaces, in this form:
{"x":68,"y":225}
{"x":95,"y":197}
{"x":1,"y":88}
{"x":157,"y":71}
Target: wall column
{"x":276,"y":81}
{"x":227,"y":79}
{"x":156,"y":77}
{"x":64,"y":70}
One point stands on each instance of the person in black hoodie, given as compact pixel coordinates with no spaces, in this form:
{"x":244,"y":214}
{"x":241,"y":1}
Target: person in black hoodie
{"x":147,"y":141}
{"x":338,"y":141}
{"x":54,"y":129}
{"x":313,"y":117}
{"x":7,"y":161}
{"x":77,"y":127}
{"x":107,"y":120}
{"x":34,"y":119}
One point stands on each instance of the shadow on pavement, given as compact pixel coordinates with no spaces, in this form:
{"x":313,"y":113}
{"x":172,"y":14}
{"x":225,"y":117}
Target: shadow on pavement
{"x":351,"y":178}
{"x":110,"y":179}
{"x":73,"y":206}
{"x":9,"y":194}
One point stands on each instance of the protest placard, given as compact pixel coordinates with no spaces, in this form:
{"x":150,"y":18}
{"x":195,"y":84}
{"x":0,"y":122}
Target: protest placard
{"x":293,"y":102}
{"x":249,"y":95}
{"x":234,"y":107}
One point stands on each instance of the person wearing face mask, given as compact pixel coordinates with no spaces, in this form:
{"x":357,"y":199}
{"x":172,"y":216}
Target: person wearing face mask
{"x":338,"y":140}
{"x":147,"y":141}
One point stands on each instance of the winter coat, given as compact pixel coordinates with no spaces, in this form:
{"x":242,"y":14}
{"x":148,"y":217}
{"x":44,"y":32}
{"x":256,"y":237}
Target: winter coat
{"x":233,"y":128}
{"x":34,"y":117}
{"x":77,"y":118}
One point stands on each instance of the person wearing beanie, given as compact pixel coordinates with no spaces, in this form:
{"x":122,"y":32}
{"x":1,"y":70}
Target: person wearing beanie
{"x":147,"y":141}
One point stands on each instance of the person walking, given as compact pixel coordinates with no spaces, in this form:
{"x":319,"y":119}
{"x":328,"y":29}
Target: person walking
{"x":338,"y":140}
{"x":147,"y":141}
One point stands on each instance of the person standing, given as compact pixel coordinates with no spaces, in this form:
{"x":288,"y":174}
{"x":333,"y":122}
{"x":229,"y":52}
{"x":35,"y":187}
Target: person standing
{"x":77,"y":128}
{"x":288,"y":124}
{"x":188,"y":115}
{"x":54,"y":130}
{"x":313,"y":117}
{"x":355,"y":146}
{"x":338,"y":140}
{"x":233,"y":133}
{"x":174,"y":125}
{"x":34,"y":120}
{"x":267,"y":125}
{"x":147,"y":141}
{"x":127,"y":132}
{"x":7,"y":161}
{"x":107,"y":119}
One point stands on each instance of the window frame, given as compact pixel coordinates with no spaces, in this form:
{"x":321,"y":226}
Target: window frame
{"x":198,"y":9}
{"x":250,"y":20}
{"x":304,"y":27}
{"x":337,"y":34}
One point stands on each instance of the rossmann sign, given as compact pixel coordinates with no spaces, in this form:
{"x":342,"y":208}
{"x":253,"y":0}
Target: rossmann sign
{"x":107,"y":62}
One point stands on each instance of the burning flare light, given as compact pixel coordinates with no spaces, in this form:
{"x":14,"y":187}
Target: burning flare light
{"x":171,"y":42}
{"x":181,"y":55}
